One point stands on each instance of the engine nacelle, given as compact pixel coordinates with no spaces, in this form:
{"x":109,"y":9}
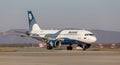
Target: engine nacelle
{"x":54,"y":43}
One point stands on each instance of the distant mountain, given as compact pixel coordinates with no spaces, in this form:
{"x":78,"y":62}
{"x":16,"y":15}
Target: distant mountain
{"x":107,"y":36}
{"x":14,"y":36}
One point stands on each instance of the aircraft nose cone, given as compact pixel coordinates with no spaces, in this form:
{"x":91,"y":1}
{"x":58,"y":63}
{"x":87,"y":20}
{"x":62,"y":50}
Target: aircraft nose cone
{"x":94,"y":39}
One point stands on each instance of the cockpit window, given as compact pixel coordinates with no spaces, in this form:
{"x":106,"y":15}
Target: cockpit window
{"x":89,"y":34}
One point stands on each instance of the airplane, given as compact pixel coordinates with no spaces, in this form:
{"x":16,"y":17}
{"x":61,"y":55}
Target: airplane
{"x":56,"y":38}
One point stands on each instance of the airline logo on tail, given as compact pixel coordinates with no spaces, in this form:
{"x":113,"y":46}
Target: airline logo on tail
{"x":33,"y":27}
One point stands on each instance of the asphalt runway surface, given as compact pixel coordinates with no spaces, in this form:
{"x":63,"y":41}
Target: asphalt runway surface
{"x":61,"y":57}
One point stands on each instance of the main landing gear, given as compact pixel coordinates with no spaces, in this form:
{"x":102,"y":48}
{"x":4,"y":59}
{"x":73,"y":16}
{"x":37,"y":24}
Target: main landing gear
{"x":69,"y":47}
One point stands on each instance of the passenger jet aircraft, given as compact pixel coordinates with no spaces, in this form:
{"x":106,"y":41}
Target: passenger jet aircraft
{"x":56,"y":38}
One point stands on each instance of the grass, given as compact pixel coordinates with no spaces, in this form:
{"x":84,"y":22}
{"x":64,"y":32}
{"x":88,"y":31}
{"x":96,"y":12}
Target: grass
{"x":7,"y":50}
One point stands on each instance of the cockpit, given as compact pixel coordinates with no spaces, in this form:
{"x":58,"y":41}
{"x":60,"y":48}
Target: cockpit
{"x":89,"y":38}
{"x":89,"y":34}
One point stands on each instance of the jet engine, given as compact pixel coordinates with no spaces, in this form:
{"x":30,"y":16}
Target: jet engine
{"x":53,"y":44}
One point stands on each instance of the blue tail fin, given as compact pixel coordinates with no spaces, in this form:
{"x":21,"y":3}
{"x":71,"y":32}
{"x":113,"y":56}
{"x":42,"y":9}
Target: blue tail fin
{"x":33,"y":26}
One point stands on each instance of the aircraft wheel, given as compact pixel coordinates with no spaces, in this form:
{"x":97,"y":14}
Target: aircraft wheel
{"x":49,"y":47}
{"x":69,"y":47}
{"x":84,"y":47}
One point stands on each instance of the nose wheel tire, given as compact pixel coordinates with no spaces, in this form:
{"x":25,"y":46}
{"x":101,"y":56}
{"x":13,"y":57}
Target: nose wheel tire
{"x":84,"y":47}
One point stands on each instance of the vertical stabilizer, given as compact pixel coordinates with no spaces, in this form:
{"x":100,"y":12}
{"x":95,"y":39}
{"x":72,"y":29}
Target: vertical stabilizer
{"x":33,"y":26}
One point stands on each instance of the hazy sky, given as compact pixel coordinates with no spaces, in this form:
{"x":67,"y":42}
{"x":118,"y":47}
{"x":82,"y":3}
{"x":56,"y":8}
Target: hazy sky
{"x":51,"y":14}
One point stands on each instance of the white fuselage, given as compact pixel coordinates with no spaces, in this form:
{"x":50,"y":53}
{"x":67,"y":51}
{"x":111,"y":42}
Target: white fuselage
{"x":81,"y":35}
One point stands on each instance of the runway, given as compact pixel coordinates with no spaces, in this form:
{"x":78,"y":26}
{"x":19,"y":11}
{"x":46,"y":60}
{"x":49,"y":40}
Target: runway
{"x":61,"y":57}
